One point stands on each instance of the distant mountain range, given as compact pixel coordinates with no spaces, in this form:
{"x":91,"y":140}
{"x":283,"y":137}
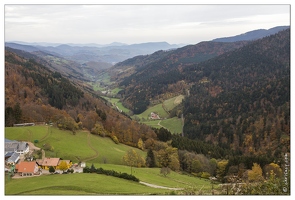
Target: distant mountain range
{"x":252,"y":35}
{"x":112,"y":53}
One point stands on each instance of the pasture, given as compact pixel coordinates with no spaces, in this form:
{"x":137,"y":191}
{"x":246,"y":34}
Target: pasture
{"x":77,"y":184}
{"x":82,"y":146}
{"x":96,"y":150}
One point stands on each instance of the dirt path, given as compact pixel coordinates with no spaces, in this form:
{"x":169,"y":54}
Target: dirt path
{"x":91,"y":147}
{"x":158,"y":186}
{"x":162,"y":126}
{"x":33,"y":147}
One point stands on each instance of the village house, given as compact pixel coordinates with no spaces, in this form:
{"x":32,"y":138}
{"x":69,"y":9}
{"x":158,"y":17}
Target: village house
{"x":52,"y":162}
{"x":17,"y":147}
{"x":48,"y":162}
{"x":11,"y":158}
{"x":27,"y":168}
{"x":154,"y":116}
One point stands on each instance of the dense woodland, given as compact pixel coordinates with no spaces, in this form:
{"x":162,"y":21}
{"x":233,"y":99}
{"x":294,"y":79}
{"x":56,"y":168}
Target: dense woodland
{"x":33,"y":93}
{"x":159,"y":75}
{"x":245,"y":103}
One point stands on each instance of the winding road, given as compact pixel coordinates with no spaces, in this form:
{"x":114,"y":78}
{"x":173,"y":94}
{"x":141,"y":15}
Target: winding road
{"x":158,"y":186}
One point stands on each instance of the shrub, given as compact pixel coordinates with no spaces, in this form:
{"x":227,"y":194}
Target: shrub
{"x":111,"y":173}
{"x":205,"y":175}
{"x":115,"y":139}
{"x":86,"y":169}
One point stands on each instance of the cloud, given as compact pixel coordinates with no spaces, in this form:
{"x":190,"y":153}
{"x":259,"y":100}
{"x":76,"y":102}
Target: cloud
{"x":137,"y":23}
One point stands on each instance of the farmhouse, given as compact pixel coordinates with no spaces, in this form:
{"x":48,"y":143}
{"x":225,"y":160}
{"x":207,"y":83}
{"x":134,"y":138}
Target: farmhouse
{"x":45,"y":163}
{"x":52,"y":162}
{"x":12,"y":158}
{"x":27,"y":169}
{"x":17,"y":147}
{"x":154,"y":116}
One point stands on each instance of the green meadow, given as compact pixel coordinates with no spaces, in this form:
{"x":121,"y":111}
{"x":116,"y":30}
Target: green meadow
{"x":117,"y":102}
{"x":174,"y":125}
{"x":82,"y":146}
{"x":96,"y":150}
{"x":169,"y":104}
{"x":77,"y":184}
{"x":156,"y":109}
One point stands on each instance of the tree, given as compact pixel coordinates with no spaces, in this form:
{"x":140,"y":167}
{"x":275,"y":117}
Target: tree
{"x":133,"y":159}
{"x":221,"y":166}
{"x":17,"y":113}
{"x":168,"y":158}
{"x":92,"y":168}
{"x":213,"y":166}
{"x":150,"y":158}
{"x":165,"y":171}
{"x":9,"y":116}
{"x":63,"y":165}
{"x":51,"y":169}
{"x":196,"y":166}
{"x":275,"y":168}
{"x":140,"y":144}
{"x":48,"y":147}
{"x":256,"y":173}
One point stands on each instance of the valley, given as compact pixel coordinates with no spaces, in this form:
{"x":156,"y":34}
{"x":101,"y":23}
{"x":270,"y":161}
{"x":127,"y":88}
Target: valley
{"x":164,"y":119}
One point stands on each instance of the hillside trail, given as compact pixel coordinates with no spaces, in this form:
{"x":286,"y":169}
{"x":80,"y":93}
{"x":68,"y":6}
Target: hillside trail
{"x":158,"y":186}
{"x":162,"y":126}
{"x":91,"y":147}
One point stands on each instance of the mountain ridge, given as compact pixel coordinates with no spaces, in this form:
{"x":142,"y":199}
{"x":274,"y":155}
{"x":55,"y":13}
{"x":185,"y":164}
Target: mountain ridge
{"x":252,"y":35}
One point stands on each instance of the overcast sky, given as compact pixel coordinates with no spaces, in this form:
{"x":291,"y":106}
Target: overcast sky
{"x":130,"y":24}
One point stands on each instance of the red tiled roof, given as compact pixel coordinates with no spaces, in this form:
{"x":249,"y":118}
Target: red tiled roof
{"x":26,"y":167}
{"x":48,"y":162}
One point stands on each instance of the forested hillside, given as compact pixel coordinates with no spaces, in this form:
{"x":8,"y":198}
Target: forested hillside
{"x":244,"y":104}
{"x":160,"y":75}
{"x":238,"y":100}
{"x":33,"y":93}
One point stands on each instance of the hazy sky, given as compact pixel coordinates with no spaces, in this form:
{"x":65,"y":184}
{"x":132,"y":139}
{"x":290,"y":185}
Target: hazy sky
{"x":104,"y":24}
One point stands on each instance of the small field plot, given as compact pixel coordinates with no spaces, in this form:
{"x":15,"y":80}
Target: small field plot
{"x":169,"y":104}
{"x":117,"y":102}
{"x":156,"y":109}
{"x":27,"y":133}
{"x":174,"y":125}
{"x":152,"y":123}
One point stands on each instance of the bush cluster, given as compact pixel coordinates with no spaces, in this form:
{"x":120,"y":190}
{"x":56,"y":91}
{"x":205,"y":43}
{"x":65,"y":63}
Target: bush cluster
{"x":110,"y":173}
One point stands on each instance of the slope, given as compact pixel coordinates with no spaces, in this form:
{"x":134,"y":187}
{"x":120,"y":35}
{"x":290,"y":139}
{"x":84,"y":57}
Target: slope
{"x":252,"y":35}
{"x":160,"y":75}
{"x":33,"y":93}
{"x":244,"y":104}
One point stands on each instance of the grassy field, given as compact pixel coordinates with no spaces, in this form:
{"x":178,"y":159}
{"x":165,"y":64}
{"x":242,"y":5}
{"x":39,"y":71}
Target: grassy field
{"x":117,"y":103}
{"x":96,"y":86}
{"x":169,"y":104}
{"x":152,"y":175}
{"x":174,"y":125}
{"x":79,"y":147}
{"x":77,"y":184}
{"x":152,"y":123}
{"x":157,"y":109}
{"x":94,"y":150}
{"x":116,"y":90}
